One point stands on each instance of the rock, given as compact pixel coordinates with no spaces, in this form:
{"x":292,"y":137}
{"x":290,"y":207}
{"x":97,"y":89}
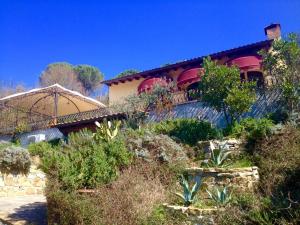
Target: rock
{"x":152,"y":147}
{"x":233,"y":145}
{"x":143,"y":154}
{"x":241,"y":178}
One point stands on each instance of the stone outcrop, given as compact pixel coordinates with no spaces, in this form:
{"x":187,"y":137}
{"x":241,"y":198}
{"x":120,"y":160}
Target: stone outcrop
{"x":232,"y":145}
{"x":242,"y":178}
{"x":153,"y":147}
{"x":195,"y":215}
{"x":19,"y":184}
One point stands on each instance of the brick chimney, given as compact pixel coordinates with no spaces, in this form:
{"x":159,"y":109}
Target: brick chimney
{"x":273,"y":31}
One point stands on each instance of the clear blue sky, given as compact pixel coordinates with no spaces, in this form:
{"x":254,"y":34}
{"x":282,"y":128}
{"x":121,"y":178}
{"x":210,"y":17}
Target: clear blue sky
{"x":118,"y":35}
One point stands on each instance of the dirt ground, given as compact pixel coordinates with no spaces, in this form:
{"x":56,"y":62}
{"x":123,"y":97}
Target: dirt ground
{"x":23,"y":210}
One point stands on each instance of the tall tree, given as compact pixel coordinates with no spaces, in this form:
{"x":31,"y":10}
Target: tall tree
{"x":223,"y":90}
{"x":63,"y":74}
{"x":127,"y":72}
{"x":89,"y":76}
{"x":283,"y":63}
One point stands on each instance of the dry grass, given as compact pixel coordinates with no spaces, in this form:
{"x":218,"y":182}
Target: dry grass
{"x":135,"y":194}
{"x":278,"y":157}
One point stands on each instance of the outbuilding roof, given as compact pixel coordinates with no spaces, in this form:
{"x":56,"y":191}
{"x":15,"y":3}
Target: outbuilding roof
{"x":53,"y":101}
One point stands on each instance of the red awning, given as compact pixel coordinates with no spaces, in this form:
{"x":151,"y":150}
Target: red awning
{"x":189,"y":77}
{"x":247,"y":63}
{"x":148,"y":84}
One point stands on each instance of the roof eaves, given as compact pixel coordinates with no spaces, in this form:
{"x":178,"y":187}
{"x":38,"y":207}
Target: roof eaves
{"x":147,"y":73}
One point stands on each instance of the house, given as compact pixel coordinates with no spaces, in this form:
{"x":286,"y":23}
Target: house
{"x":186,"y":73}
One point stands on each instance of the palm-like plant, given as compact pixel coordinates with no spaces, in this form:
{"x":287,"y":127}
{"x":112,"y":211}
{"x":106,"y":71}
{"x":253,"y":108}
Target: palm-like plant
{"x":188,"y":195}
{"x":107,"y":130}
{"x":221,"y":197}
{"x":218,"y":157}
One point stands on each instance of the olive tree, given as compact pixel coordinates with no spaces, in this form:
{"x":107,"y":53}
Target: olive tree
{"x":282,"y":62}
{"x":222,"y":89}
{"x":136,"y":106}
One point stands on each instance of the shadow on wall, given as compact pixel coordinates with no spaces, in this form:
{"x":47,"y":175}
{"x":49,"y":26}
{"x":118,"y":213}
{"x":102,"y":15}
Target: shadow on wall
{"x":267,"y":102}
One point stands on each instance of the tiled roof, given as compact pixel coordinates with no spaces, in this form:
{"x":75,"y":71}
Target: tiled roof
{"x":151,"y":72}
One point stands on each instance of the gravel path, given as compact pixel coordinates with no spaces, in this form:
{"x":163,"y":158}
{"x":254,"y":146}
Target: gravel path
{"x":24,"y":209}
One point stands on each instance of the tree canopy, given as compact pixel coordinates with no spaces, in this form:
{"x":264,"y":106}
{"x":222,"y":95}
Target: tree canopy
{"x":283,"y":63}
{"x":127,"y":72}
{"x":82,"y":78}
{"x":223,"y":90}
{"x":61,"y":73}
{"x":89,"y":76}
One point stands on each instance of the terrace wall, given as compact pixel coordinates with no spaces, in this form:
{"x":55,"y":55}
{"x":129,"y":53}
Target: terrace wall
{"x":19,"y":184}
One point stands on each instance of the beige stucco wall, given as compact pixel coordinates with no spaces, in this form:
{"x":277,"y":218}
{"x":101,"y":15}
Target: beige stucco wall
{"x":118,"y":92}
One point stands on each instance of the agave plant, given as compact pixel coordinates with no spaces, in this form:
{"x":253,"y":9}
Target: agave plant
{"x":107,"y":130}
{"x":221,"y":197}
{"x":218,"y":157}
{"x":188,"y":195}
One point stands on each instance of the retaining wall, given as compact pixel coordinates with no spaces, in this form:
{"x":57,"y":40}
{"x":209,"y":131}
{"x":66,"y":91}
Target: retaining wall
{"x":19,"y":184}
{"x":242,"y":178}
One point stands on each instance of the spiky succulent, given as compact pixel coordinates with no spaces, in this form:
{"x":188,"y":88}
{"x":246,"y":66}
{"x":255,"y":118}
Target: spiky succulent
{"x":221,"y":197}
{"x":218,"y":157}
{"x":107,"y":130}
{"x":188,"y":195}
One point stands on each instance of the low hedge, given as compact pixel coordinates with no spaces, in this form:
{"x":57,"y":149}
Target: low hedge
{"x":188,"y":131}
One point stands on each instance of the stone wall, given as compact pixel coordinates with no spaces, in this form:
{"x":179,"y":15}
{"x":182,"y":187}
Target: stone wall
{"x":19,"y":184}
{"x":195,"y":215}
{"x":242,"y":178}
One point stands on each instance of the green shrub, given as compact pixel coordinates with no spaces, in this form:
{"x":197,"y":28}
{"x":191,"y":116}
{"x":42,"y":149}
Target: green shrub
{"x":80,"y":139}
{"x":3,"y":145}
{"x":14,"y":159}
{"x":39,"y":149}
{"x":160,"y":216}
{"x":188,"y":131}
{"x":276,"y":200}
{"x":279,"y":116}
{"x":251,"y":128}
{"x":85,"y":162}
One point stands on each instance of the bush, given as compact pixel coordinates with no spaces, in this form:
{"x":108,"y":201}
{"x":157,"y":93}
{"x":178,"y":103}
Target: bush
{"x":276,"y":201}
{"x":132,"y":199}
{"x":14,"y":159}
{"x":71,"y":208}
{"x":279,"y":116}
{"x":188,"y":131}
{"x":251,"y":128}
{"x":155,"y":147}
{"x":39,"y":149}
{"x":85,"y":162}
{"x":160,"y":216}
